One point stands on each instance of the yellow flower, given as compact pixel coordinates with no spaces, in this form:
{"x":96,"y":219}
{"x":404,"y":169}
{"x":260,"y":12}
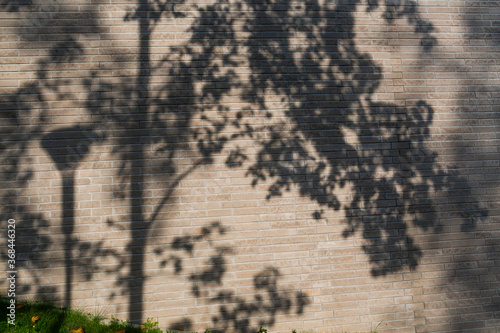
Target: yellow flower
{"x":34,"y":319}
{"x":80,"y":330}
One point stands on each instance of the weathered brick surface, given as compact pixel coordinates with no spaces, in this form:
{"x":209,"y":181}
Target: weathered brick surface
{"x":236,"y":164}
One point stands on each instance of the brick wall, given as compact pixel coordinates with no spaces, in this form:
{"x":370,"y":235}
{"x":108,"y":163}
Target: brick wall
{"x":235,"y":164}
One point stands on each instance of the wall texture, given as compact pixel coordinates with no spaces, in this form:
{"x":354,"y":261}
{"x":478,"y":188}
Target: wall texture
{"x":230,"y":164}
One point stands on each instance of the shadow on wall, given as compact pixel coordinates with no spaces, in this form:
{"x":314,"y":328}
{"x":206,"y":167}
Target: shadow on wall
{"x":334,"y":136}
{"x":377,"y":148}
{"x":67,"y":147}
{"x":471,"y":284}
{"x":14,"y":5}
{"x":234,"y":312}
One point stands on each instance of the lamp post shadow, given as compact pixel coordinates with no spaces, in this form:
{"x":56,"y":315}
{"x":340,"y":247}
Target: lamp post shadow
{"x":67,"y":147}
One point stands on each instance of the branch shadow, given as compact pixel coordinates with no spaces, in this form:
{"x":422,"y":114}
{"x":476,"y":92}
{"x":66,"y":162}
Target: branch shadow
{"x":235,"y":312}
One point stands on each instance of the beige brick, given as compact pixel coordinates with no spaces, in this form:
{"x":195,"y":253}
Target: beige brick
{"x":283,"y":94}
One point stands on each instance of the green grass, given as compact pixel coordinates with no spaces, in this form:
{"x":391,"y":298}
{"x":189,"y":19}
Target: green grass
{"x":42,"y":317}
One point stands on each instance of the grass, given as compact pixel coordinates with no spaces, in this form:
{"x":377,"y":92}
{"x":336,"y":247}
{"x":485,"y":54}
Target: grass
{"x":44,"y":317}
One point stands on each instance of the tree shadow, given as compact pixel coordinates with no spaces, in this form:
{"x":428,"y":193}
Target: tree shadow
{"x":330,"y":134}
{"x":241,"y":313}
{"x":376,"y":149}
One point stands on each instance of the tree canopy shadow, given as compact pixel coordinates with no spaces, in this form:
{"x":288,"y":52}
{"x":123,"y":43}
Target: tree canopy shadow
{"x":378,"y":149}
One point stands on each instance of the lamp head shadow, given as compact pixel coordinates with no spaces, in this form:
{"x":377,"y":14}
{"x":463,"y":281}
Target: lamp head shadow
{"x":69,"y":145}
